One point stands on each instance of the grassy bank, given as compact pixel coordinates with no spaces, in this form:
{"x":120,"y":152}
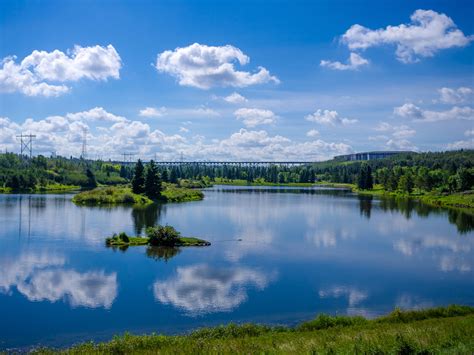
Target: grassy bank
{"x":173,"y":193}
{"x":42,"y":189}
{"x":110,"y":196}
{"x":438,"y":330}
{"x":463,"y":200}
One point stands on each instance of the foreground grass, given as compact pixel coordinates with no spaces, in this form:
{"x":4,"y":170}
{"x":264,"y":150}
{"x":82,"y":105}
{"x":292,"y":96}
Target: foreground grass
{"x":444,"y":330}
{"x":110,"y":196}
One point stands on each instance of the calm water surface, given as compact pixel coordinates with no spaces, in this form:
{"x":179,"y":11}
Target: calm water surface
{"x":278,"y":255}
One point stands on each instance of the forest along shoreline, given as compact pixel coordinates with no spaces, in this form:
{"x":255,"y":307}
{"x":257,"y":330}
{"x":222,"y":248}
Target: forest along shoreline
{"x":444,"y":179}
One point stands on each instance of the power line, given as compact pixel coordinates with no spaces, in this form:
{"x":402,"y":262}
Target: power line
{"x":84,"y":144}
{"x":26,"y":143}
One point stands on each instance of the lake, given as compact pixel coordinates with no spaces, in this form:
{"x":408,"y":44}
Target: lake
{"x":278,"y":256}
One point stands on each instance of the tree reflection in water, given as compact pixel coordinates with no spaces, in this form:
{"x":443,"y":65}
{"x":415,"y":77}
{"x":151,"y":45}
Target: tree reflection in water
{"x":162,"y":253}
{"x":147,"y":216}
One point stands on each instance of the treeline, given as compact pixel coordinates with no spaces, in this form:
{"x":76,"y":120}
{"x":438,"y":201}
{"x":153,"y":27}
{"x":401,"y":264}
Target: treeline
{"x":23,"y":173}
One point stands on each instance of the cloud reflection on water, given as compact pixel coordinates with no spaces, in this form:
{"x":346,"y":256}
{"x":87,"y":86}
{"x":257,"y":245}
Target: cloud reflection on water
{"x":201,"y":289}
{"x":41,"y":277}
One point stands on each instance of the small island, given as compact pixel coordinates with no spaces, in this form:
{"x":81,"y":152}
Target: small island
{"x":147,"y":186}
{"x":163,"y":236}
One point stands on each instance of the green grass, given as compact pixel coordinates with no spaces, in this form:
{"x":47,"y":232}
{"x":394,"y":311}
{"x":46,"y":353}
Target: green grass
{"x":172,"y":193}
{"x":133,"y":241}
{"x":444,"y":330}
{"x":110,"y":196}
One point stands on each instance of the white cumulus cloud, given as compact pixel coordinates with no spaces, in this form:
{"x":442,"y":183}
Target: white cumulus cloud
{"x":42,"y":73}
{"x":355,"y":61}
{"x":153,"y":112}
{"x":328,"y":117}
{"x":312,"y":133}
{"x":426,"y":34}
{"x":455,"y":96}
{"x":252,"y":117}
{"x":235,"y":98}
{"x":203,"y":66}
{"x":414,"y":112}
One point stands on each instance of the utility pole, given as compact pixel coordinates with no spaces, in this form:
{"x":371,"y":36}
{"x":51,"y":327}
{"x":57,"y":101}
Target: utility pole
{"x":181,"y":157}
{"x":26,"y":143}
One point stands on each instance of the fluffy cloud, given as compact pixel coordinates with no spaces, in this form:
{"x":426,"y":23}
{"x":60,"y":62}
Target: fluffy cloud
{"x":469,"y":132}
{"x":427,"y":33}
{"x":235,"y":98}
{"x":252,"y":117}
{"x":96,"y":114}
{"x":328,"y":117}
{"x":312,"y":133}
{"x":355,"y":61}
{"x":412,"y":111}
{"x":153,"y":112}
{"x":109,"y":135}
{"x":396,"y":137}
{"x":202,"y":289}
{"x":39,"y":73}
{"x":455,"y":96}
{"x":205,"y":66}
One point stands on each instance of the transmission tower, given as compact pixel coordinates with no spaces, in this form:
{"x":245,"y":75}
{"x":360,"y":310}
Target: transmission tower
{"x":181,"y":157}
{"x":84,"y":144}
{"x":26,"y":143}
{"x":129,"y":156}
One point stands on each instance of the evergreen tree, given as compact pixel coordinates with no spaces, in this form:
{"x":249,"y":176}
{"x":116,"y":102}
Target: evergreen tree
{"x":152,"y":181}
{"x":174,"y":176}
{"x":91,"y":181}
{"x":138,"y":181}
{"x":165,"y":175}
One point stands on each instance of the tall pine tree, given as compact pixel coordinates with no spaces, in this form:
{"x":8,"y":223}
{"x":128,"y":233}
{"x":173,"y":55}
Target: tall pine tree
{"x":138,"y":180}
{"x":152,"y":181}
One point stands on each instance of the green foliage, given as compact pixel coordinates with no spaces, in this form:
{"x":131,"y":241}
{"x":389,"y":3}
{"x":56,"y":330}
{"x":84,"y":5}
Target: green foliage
{"x":35,"y":174}
{"x":152,"y":181}
{"x":163,"y":235}
{"x":324,"y":321}
{"x":138,"y":181}
{"x":364,"y":178}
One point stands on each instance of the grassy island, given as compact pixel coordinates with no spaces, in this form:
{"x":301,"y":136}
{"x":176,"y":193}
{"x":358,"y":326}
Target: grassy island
{"x":115,"y":195}
{"x":165,"y":236}
{"x":110,"y":196}
{"x":443,"y":330}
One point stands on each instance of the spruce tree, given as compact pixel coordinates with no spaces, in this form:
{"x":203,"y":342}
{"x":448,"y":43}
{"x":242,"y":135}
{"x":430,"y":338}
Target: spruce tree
{"x":152,"y":181}
{"x":91,"y":181}
{"x":138,"y":180}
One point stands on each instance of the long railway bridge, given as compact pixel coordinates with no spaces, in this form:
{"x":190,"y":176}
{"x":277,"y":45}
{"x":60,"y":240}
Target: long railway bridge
{"x":228,"y":163}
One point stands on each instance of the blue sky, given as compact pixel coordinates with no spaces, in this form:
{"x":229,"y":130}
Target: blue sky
{"x":259,"y":80}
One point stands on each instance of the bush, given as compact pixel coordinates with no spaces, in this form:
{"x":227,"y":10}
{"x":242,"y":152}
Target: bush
{"x":163,"y":235}
{"x":124,"y":237}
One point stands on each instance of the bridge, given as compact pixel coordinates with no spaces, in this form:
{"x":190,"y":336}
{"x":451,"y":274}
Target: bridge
{"x":227,"y":163}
